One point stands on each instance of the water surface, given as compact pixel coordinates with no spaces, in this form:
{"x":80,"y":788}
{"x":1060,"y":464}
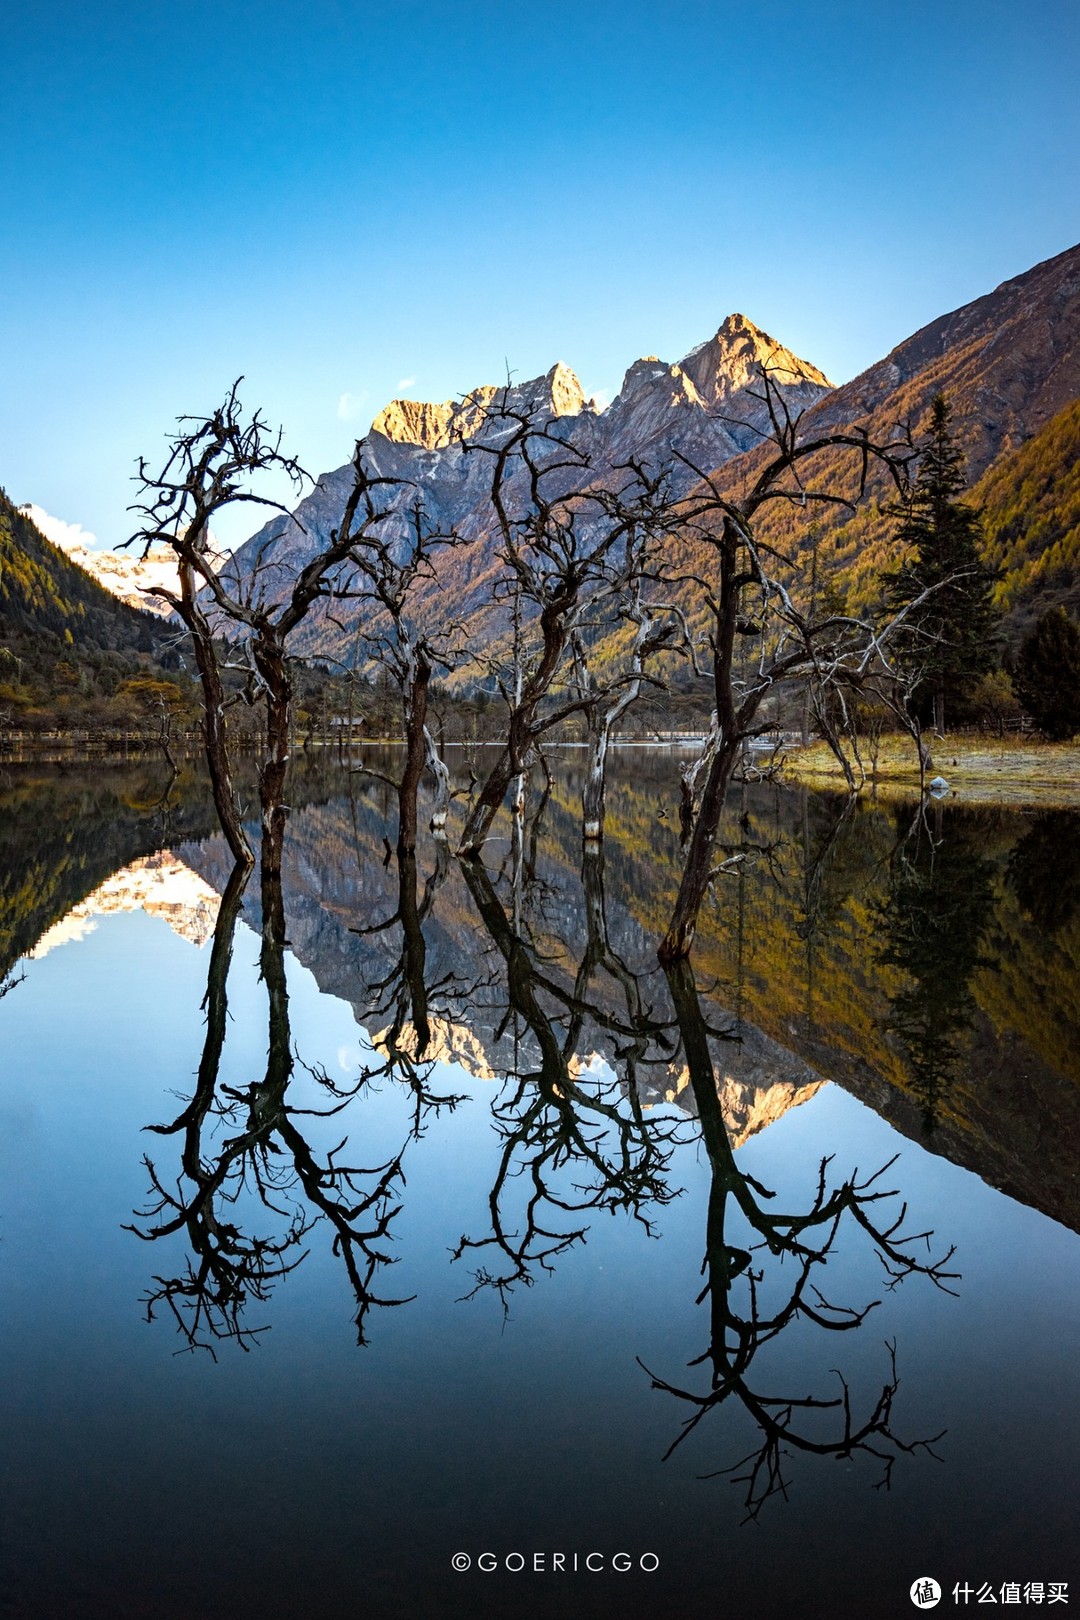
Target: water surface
{"x":359,"y":1308}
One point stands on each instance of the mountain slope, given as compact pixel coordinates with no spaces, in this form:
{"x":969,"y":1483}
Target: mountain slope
{"x":704,"y":408}
{"x":124,"y":574}
{"x":66,"y":643}
{"x":44,"y":593}
{"x":1030,"y":500}
{"x":1008,"y":362}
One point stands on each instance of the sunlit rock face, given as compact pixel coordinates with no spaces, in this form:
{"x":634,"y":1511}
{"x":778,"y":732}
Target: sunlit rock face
{"x":758,"y":1080}
{"x":160,"y":885}
{"x":434,"y":427}
{"x":698,"y":413}
{"x":448,"y":1042}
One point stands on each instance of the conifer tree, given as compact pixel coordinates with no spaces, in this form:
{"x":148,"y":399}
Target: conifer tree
{"x":1047,"y":674}
{"x":949,"y":639}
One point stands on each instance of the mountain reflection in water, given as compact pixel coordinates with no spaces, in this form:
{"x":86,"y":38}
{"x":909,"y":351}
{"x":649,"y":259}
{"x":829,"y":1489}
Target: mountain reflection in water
{"x":927,"y":964}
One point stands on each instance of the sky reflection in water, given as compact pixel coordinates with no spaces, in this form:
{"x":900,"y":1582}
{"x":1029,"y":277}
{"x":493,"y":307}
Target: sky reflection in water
{"x":313,"y":1477}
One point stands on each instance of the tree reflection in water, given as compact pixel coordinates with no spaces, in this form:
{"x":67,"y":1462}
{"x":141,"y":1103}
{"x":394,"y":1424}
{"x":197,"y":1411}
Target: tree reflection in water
{"x":932,"y":923}
{"x":269,"y":1157}
{"x":1044,"y":870}
{"x":750,"y":1305}
{"x":580,"y":1141}
{"x":592,"y":1045}
{"x":579,"y":1150}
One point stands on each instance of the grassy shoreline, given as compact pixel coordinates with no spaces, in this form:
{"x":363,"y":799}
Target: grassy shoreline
{"x":979,"y":770}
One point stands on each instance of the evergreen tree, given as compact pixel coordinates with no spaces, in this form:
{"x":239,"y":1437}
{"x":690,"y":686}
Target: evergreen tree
{"x":949,"y":640}
{"x":1047,"y":674}
{"x":931,"y":926}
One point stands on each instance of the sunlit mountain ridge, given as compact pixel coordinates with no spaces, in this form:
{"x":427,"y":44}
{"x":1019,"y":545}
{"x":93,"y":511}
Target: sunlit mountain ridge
{"x":1008,"y":363}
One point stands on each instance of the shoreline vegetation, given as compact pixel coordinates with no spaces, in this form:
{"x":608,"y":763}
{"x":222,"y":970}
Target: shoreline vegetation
{"x":979,"y":768}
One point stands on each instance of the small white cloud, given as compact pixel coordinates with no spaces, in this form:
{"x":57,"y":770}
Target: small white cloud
{"x":69,"y":536}
{"x":350,"y":405}
{"x":600,"y":399}
{"x":406,"y":382}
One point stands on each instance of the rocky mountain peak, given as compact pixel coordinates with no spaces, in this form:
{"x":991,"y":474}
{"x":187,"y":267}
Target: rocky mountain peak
{"x":646,"y":370}
{"x":414,"y":421}
{"x":564,"y":390}
{"x":434,"y":426}
{"x":658,"y":377}
{"x":733,"y":360}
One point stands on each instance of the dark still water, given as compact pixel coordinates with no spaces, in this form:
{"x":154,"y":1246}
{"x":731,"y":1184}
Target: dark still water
{"x":394,"y":1217}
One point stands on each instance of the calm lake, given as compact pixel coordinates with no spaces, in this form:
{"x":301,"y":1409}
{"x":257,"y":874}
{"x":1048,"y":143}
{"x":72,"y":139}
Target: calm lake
{"x":396,"y":1223}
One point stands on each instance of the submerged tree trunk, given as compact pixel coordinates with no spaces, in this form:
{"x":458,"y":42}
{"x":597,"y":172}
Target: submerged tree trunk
{"x":215,"y":733}
{"x":272,"y":665}
{"x":676,"y":943}
{"x":593,"y":792}
{"x":726,"y":738}
{"x":525,"y":724}
{"x":486,"y":805}
{"x":601,"y":723}
{"x":441,"y":774}
{"x":415,"y":693}
{"x":414,"y":950}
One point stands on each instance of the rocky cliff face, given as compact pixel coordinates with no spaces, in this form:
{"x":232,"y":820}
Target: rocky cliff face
{"x":703,"y":408}
{"x":1007,"y":362}
{"x":436,"y":427}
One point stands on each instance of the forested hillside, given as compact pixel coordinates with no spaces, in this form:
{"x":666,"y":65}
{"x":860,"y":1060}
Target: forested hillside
{"x":1031,"y":515}
{"x":43,"y":593}
{"x":67,"y":647}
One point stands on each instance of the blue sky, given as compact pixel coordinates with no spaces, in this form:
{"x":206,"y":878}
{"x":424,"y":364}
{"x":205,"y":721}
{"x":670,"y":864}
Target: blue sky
{"x":343,"y":201}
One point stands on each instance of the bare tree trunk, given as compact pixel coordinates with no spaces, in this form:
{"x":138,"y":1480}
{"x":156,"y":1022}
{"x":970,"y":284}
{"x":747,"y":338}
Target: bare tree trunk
{"x":416,"y":739}
{"x":593,"y":792}
{"x":601,"y":723}
{"x":676,"y":943}
{"x":441,"y":774}
{"x":270,"y":660}
{"x":215,"y":733}
{"x":832,"y":738}
{"x":524,"y":725}
{"x":690,"y":776}
{"x":165,"y":739}
{"x":414,"y":950}
{"x":486,"y":805}
{"x":730,"y":735}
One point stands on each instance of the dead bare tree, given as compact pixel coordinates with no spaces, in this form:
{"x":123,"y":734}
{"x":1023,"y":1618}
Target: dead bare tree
{"x":566,"y":541}
{"x":762,"y":1278}
{"x":208,"y":466}
{"x":387,"y":571}
{"x":747,"y":599}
